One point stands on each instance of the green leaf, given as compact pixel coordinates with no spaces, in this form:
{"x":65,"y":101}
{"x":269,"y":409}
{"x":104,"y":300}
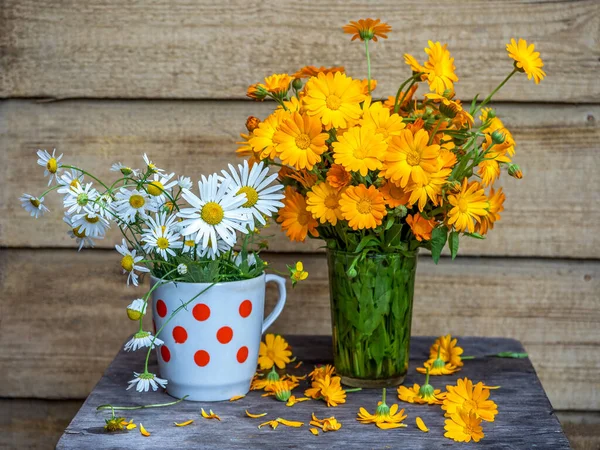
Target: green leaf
{"x":511,"y":355}
{"x":438,"y":241}
{"x":453,"y":243}
{"x":475,"y":235}
{"x":366,"y":241}
{"x":472,"y":109}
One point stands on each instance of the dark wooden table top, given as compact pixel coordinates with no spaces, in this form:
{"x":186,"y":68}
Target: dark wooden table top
{"x":525,"y":419}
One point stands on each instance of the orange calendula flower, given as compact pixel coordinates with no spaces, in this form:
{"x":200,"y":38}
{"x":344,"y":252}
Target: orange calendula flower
{"x":431,"y":189}
{"x":360,"y":149}
{"x":410,"y":157}
{"x":334,"y":99}
{"x":338,"y":177}
{"x":367,"y":29}
{"x":469,"y":205}
{"x":385,"y":417}
{"x":278,"y":83}
{"x":118,"y":424}
{"x":414,"y":65}
{"x":413,"y":395}
{"x":321,"y":372}
{"x":281,"y":390}
{"x":295,"y":219}
{"x":323,"y":201}
{"x":468,"y":397}
{"x":527,"y":60}
{"x":256,"y":91}
{"x":463,"y":426}
{"x":209,"y":415}
{"x":312,"y":71}
{"x":376,"y":115}
{"x":446,"y":349}
{"x":300,"y":141}
{"x":329,"y":389}
{"x":440,"y":68}
{"x":420,"y":226}
{"x":274,"y":351}
{"x":262,"y":140}
{"x":394,"y":195}
{"x":305,"y":178}
{"x":438,"y":366}
{"x":362,"y":207}
{"x":496,"y":201}
{"x":327,"y":424}
{"x":365,"y":86}
{"x":452,"y":109}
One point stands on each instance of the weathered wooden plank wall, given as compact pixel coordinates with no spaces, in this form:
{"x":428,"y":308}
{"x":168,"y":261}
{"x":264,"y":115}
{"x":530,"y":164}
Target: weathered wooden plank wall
{"x":168,"y":77}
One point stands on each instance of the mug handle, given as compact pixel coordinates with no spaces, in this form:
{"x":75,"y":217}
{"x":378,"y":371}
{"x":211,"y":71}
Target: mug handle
{"x":280,"y":302}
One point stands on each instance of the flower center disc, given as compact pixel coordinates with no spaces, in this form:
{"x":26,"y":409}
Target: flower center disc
{"x":331,"y":202}
{"x":78,"y":233}
{"x":35,"y":202}
{"x":52,"y":165}
{"x":413,"y":158}
{"x":127,"y":263}
{"x":303,"y":218}
{"x":212,"y":213}
{"x":463,"y":205}
{"x":364,"y":206}
{"x":383,"y":132}
{"x":303,"y":141}
{"x":155,"y":188}
{"x":75,"y":183}
{"x":360,"y":152}
{"x":333,"y":102}
{"x":251,"y":196}
{"x":89,"y":219}
{"x":137,"y":201}
{"x":162,"y":243}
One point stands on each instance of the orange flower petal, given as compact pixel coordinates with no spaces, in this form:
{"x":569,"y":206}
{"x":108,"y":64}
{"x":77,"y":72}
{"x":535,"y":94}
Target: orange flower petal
{"x":236,"y":398}
{"x":143,"y":431}
{"x":314,"y":431}
{"x":255,"y":416}
{"x":289,"y":423}
{"x":421,"y":425}
{"x":184,"y":424}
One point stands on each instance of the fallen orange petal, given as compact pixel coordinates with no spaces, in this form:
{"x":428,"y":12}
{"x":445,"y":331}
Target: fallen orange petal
{"x":236,"y":398}
{"x":298,"y":365}
{"x":255,"y":416}
{"x":184,"y":424}
{"x":290,"y":423}
{"x":143,"y":431}
{"x":387,"y":426}
{"x":314,"y":431}
{"x":421,"y":425}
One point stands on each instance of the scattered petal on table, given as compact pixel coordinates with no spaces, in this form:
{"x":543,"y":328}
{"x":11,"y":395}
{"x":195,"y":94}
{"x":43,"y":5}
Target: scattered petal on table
{"x":210,"y":415}
{"x":421,"y":425}
{"x":314,"y":431}
{"x":290,"y":423}
{"x":143,"y":431}
{"x":236,"y":398}
{"x":255,"y":416}
{"x":272,"y":423}
{"x":298,"y":365}
{"x":184,"y":424}
{"x":387,"y":426}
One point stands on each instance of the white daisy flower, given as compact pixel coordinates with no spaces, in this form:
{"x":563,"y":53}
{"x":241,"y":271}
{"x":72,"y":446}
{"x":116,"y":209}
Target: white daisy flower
{"x":129,"y":263}
{"x":129,"y":203}
{"x":163,"y":240}
{"x":78,"y":234}
{"x":127,"y":171}
{"x":237,"y":259}
{"x":261,"y":199}
{"x":136,"y":309}
{"x":90,"y":222}
{"x":163,"y":221}
{"x":158,"y":186}
{"x":145,"y":381}
{"x":185,"y":182}
{"x":70,"y":179}
{"x":142,"y":339}
{"x":182,"y":269}
{"x":33,"y":205}
{"x":50,"y":162}
{"x":150,"y":166}
{"x":216,"y":213}
{"x":213,"y":252}
{"x":106,"y":209}
{"x":79,"y":197}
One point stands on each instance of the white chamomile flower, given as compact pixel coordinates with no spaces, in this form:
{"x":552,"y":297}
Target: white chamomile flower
{"x":150,"y":165}
{"x":106,"y":209}
{"x":142,"y":339}
{"x":127,"y":171}
{"x":182,"y":269}
{"x":163,"y":240}
{"x":91,"y":222}
{"x":145,"y":381}
{"x":79,"y":197}
{"x":237,"y":259}
{"x":216,"y":213}
{"x":185,"y":182}
{"x":67,"y":180}
{"x":129,"y":263}
{"x":213,"y":252}
{"x":78,"y":234}
{"x":33,"y":205}
{"x":261,"y":199}
{"x":162,"y":221}
{"x":50,"y":162}
{"x":159,"y":186}
{"x":130,"y":203}
{"x":136,"y":309}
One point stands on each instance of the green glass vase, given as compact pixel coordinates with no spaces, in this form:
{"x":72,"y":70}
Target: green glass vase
{"x":371,"y":313}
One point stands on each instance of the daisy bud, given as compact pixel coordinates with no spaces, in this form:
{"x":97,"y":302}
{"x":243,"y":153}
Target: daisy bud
{"x":252,"y":123}
{"x":136,"y":309}
{"x":515,"y":171}
{"x":498,"y":137}
{"x":126,"y":171}
{"x":182,"y":269}
{"x":297,"y":84}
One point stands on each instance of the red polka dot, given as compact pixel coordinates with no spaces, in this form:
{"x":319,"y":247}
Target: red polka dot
{"x":201,"y":312}
{"x":202,"y":358}
{"x":224,"y":335}
{"x":166,"y":354}
{"x":245,"y":308}
{"x":180,"y":335}
{"x":161,"y":308}
{"x":242,"y":354}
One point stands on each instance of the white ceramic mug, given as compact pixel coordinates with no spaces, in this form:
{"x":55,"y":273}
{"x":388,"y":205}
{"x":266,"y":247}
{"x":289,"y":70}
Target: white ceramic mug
{"x":210,"y":348}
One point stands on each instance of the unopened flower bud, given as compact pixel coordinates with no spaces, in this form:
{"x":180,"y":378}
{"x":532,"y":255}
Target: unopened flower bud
{"x":515,"y":171}
{"x":498,"y":137}
{"x":126,"y":171}
{"x":182,"y":269}
{"x":400,"y":211}
{"x":351,"y":272}
{"x":297,"y":84}
{"x":491,"y":114}
{"x":252,"y":123}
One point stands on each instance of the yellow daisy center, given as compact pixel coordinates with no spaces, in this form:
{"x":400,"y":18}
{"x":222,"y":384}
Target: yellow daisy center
{"x":413,"y":158}
{"x":75,"y":183}
{"x":52,"y":165}
{"x":251,"y":196}
{"x":190,"y":243}
{"x":35,"y":202}
{"x":212,"y":213}
{"x":331,"y":202}
{"x":137,"y":201}
{"x":162,"y":243}
{"x":89,"y":219}
{"x":155,"y":188}
{"x":364,"y":206}
{"x":360,"y":152}
{"x":463,"y":205}
{"x":333,"y":102}
{"x":127,"y":263}
{"x":79,"y":234}
{"x":303,"y":141}
{"x":271,"y":354}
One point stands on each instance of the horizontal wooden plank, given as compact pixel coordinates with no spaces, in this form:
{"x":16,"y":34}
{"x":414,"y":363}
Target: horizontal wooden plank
{"x":551,"y":212}
{"x":34,"y":424}
{"x":182,"y":49}
{"x":63,"y":316}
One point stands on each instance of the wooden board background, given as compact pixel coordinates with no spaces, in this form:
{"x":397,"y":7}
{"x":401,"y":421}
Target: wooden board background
{"x":168,"y":77}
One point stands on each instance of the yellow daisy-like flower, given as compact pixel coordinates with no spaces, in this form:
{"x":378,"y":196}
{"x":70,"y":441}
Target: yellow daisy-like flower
{"x":281,"y":390}
{"x":365,"y":86}
{"x":295,"y":219}
{"x":297,"y":273}
{"x":468,"y":397}
{"x":363,"y":208}
{"x":394,"y":195}
{"x":447,"y":349}
{"x":489,"y":171}
{"x":327,"y":424}
{"x":262,"y":141}
{"x":321,"y":372}
{"x":527,"y":60}
{"x":367,"y":29}
{"x":452,"y":109}
{"x":338,"y":177}
{"x":463,"y":426}
{"x":360,"y":149}
{"x":334,"y":99}
{"x":329,"y":389}
{"x":469,"y":206}
{"x":443,"y":369}
{"x":413,"y":395}
{"x":385,"y":416}
{"x":431,"y":189}
{"x":420,"y":226}
{"x":312,"y":71}
{"x":379,"y":117}
{"x":300,"y":141}
{"x":323,"y":201}
{"x":410,"y":157}
{"x":496,"y":201}
{"x":404,"y":99}
{"x":118,"y":424}
{"x":414,"y":65}
{"x":439,"y":68}
{"x":274,"y":351}
{"x":278,"y":83}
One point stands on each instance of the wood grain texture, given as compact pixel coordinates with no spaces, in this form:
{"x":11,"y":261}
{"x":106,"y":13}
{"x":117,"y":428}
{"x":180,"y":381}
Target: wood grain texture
{"x":552,"y":212}
{"x":203,"y":49}
{"x":525,"y":416}
{"x":68,"y":311}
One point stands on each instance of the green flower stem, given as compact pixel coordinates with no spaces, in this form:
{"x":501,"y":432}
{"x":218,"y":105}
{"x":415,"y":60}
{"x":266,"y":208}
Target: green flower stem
{"x":368,"y":65}
{"x":412,"y":79}
{"x":353,"y":390}
{"x":489,"y":97}
{"x":132,"y":408}
{"x":47,"y":191}
{"x":383,"y":396}
{"x":435,"y":130}
{"x":85,"y":172}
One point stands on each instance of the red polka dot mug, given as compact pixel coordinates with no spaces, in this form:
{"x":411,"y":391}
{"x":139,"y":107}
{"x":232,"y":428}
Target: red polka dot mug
{"x":210,"y":348}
